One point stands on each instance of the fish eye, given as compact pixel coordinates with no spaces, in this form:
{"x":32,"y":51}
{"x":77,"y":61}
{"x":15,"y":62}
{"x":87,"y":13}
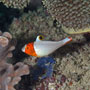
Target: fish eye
{"x":41,"y":37}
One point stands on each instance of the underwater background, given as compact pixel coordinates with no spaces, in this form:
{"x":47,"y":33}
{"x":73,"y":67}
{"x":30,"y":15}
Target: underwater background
{"x":68,"y":68}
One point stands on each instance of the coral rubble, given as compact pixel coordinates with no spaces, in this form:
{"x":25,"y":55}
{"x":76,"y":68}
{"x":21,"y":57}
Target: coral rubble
{"x":53,"y":83}
{"x":20,"y":4}
{"x":75,"y":65}
{"x":10,"y":74}
{"x":73,"y":15}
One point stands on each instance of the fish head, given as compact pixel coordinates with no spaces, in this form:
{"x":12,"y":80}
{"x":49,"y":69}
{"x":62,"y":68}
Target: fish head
{"x":29,"y":49}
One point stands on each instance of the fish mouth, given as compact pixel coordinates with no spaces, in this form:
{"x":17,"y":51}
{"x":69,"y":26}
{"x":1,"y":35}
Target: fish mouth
{"x":23,"y":49}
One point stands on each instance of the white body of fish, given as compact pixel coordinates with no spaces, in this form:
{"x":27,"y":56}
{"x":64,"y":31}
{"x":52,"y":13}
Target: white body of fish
{"x":44,"y":48}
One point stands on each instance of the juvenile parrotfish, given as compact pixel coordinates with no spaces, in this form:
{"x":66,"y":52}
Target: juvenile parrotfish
{"x":41,"y":48}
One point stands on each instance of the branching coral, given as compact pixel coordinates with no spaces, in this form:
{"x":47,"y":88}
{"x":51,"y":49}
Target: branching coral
{"x":74,"y":15}
{"x":9,"y":74}
{"x":20,"y":4}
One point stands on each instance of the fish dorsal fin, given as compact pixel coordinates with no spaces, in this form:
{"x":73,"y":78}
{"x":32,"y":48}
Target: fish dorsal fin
{"x":39,"y":38}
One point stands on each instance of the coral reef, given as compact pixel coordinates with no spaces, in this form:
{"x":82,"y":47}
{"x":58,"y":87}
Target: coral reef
{"x":75,"y":65}
{"x":30,"y":24}
{"x":10,"y":74}
{"x":16,"y":3}
{"x":74,"y":16}
{"x":71,"y":70}
{"x":72,"y":60}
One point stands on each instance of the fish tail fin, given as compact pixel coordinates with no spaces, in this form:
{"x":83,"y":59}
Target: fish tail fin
{"x":67,"y":40}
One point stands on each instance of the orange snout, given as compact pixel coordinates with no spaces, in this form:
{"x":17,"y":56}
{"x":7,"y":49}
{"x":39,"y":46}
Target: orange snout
{"x":29,"y":49}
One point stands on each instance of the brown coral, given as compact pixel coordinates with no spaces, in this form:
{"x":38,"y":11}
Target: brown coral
{"x":73,"y":15}
{"x":9,"y":74}
{"x":5,"y":45}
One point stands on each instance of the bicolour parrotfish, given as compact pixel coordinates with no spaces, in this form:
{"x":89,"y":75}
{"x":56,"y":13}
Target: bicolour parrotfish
{"x":41,"y":48}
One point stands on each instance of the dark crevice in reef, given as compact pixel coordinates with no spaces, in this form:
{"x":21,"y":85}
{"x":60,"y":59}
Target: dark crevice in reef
{"x":33,"y":5}
{"x":6,"y":16}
